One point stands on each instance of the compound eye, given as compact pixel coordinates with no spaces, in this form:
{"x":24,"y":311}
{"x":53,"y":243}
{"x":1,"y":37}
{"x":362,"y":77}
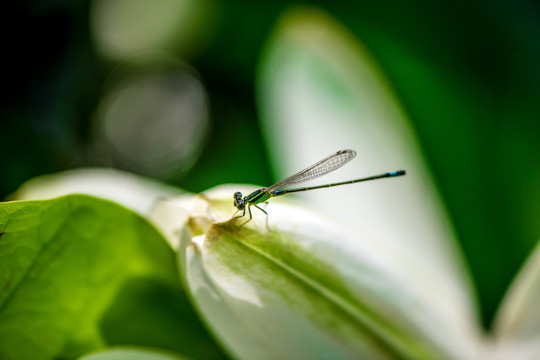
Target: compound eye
{"x":237,"y":195}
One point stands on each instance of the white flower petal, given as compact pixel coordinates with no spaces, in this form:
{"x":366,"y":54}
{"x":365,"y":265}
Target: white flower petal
{"x":517,"y":326}
{"x":321,"y":85}
{"x":308,"y":288}
{"x":135,"y":192}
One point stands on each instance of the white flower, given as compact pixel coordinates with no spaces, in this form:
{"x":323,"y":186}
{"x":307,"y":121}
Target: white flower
{"x":307,"y":287}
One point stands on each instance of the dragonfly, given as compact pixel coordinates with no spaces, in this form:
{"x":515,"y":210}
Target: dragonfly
{"x":320,"y":168}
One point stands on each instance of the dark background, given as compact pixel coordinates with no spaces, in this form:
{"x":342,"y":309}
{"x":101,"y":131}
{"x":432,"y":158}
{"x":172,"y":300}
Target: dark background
{"x":467,"y":74}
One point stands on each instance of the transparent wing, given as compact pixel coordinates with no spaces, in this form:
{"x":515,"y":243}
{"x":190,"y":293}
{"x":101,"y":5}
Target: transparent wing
{"x":323,"y":167}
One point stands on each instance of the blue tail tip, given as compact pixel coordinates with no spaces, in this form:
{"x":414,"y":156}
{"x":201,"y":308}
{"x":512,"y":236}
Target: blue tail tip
{"x":397,"y":173}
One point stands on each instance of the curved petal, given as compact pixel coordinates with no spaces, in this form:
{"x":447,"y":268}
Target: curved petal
{"x":517,"y":327}
{"x":133,"y":191}
{"x":305,"y":288}
{"x":320,"y":84}
{"x":131,"y":353}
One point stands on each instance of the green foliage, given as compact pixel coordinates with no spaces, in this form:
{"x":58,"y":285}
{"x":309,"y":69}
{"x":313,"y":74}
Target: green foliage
{"x":78,"y":273}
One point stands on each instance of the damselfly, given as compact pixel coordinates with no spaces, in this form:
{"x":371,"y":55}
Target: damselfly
{"x":323,"y":167}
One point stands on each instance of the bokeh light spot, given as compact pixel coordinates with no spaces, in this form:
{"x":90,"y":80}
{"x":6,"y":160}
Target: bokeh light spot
{"x":154,"y":122}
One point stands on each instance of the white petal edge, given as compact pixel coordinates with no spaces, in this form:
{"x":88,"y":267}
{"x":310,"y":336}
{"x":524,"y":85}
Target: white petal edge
{"x":517,"y":325}
{"x":135,"y":192}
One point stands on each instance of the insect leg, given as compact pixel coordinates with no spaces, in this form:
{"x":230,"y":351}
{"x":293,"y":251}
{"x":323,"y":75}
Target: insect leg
{"x":239,"y":216}
{"x":266,"y":215}
{"x":250,"y":216}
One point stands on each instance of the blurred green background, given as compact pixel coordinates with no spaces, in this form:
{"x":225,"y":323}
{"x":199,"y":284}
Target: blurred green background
{"x":82,"y":78}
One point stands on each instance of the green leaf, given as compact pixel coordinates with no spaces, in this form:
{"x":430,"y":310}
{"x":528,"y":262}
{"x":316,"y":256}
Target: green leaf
{"x":78,"y":273}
